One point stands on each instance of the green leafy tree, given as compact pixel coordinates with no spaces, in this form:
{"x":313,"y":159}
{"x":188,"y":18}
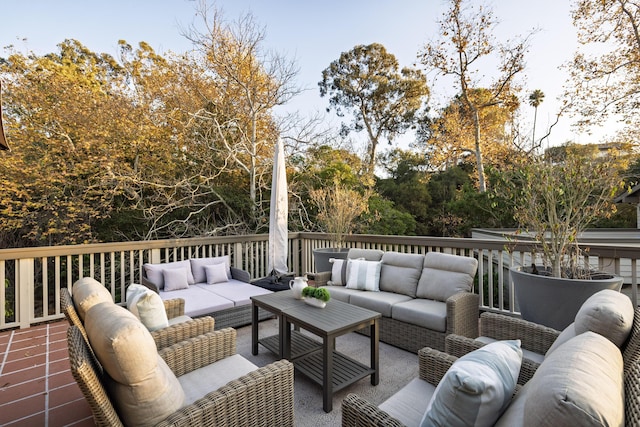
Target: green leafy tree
{"x":383,"y":100}
{"x":465,"y":40}
{"x":68,"y":119}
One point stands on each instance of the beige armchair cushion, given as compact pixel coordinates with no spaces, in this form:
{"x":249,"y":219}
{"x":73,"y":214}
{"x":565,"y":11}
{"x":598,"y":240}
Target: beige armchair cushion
{"x":608,"y":313}
{"x":88,"y":292}
{"x":139,"y":382}
{"x":579,"y":384}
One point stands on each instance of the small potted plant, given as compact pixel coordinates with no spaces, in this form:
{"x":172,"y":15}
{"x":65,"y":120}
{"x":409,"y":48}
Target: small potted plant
{"x":338,"y":207}
{"x":317,"y":297}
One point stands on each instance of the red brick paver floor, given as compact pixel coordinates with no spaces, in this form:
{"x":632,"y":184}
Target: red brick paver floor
{"x":36,"y":387}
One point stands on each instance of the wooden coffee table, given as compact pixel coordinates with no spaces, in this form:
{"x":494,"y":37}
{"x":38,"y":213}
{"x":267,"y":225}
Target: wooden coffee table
{"x":319,"y":361}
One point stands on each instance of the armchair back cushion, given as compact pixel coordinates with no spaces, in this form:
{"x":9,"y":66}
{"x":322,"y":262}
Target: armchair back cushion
{"x":608,"y":313}
{"x":88,"y":292}
{"x":579,"y":384}
{"x":444,"y":275}
{"x":400,"y":273}
{"x":139,"y":382}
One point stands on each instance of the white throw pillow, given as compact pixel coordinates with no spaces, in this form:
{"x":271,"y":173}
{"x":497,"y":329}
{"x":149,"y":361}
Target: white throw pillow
{"x":134,"y":292}
{"x":216,"y":273}
{"x":175,"y":278}
{"x":151,"y":311}
{"x":364,"y":275}
{"x":338,"y":272}
{"x":477,"y":388}
{"x":147,"y":306}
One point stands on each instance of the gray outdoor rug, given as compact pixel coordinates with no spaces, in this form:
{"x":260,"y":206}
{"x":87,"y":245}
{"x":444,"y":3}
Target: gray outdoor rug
{"x":397,"y":368}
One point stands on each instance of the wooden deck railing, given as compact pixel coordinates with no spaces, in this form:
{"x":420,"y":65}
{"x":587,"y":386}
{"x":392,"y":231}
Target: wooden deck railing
{"x":33,"y":277}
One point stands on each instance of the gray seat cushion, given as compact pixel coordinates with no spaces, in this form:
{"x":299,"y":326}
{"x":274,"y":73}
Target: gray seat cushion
{"x":400,"y":273}
{"x":410,"y":402}
{"x":426,"y":313}
{"x":196,"y":384}
{"x":377,"y":301}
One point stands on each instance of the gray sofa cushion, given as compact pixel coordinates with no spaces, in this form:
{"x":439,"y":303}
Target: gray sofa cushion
{"x":400,"y":273}
{"x":377,"y":301}
{"x":368,"y":254}
{"x":341,"y":293}
{"x":445,"y":275}
{"x":426,"y":313}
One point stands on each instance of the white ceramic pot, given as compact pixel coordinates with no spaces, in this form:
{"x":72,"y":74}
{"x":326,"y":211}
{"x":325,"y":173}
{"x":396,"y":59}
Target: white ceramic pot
{"x":315,"y":302}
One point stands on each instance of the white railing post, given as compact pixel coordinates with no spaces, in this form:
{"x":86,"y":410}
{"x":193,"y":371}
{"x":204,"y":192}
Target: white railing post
{"x":25,"y":287}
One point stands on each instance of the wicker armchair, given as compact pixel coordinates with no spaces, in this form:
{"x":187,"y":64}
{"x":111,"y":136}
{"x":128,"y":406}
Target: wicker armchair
{"x":262,"y":397}
{"x":357,"y":412}
{"x":433,"y":364}
{"x":535,"y":338}
{"x":163,"y":337}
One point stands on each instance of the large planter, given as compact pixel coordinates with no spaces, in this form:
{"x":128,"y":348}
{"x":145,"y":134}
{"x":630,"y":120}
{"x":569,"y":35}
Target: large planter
{"x":553,"y":301}
{"x":321,"y":257}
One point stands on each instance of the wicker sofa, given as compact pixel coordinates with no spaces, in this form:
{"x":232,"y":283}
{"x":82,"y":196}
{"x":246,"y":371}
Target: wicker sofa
{"x":422,"y":298}
{"x":228,"y":301}
{"x":587,"y":380}
{"x":200,"y":381}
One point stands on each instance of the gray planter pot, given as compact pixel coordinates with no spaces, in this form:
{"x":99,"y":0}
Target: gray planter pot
{"x":321,"y":257}
{"x":553,"y":301}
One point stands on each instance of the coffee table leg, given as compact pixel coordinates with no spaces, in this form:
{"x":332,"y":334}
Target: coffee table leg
{"x":254,"y":330}
{"x":327,"y":373}
{"x":375,"y":362}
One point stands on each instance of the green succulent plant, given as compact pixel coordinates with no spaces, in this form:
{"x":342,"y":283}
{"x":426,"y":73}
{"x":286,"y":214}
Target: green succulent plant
{"x":318,"y":293}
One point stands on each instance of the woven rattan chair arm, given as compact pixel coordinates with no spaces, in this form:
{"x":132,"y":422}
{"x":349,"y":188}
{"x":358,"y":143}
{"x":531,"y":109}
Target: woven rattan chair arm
{"x":188,"y":355}
{"x":262,"y":397}
{"x":174,"y":307}
{"x":463,"y":311}
{"x":533,"y":337}
{"x":357,"y":412}
{"x":433,"y":364}
{"x":172,"y":334}
{"x":322,"y":278}
{"x":458,"y":346}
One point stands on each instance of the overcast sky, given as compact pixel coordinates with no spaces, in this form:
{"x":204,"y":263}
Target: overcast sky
{"x":314,"y":33}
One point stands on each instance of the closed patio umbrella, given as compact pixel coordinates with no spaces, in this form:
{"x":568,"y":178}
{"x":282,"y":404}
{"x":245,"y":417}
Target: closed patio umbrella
{"x":278,"y":217}
{"x":3,"y":140}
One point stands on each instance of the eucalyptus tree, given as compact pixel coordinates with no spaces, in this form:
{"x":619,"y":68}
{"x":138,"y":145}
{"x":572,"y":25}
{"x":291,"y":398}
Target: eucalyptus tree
{"x":465,"y":39}
{"x":251,"y":81}
{"x":605,"y":71}
{"x":366,"y":82}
